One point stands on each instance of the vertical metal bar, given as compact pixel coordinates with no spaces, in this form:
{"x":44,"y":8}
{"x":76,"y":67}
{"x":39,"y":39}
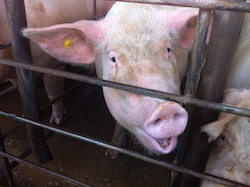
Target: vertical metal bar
{"x":198,"y":53}
{"x":220,"y":51}
{"x":21,"y":52}
{"x":193,"y":78}
{"x":5,"y":163}
{"x":95,"y":8}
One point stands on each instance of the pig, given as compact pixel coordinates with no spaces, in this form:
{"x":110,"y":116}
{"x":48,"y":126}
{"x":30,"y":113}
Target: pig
{"x":137,"y":44}
{"x":42,"y":13}
{"x":229,"y":157}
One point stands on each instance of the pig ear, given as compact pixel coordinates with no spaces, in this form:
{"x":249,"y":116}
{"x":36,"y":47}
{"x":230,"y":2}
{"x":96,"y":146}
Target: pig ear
{"x":184,"y":22}
{"x":68,"y":42}
{"x":214,"y":129}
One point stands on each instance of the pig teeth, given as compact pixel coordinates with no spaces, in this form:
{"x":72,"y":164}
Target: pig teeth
{"x":164,"y":143}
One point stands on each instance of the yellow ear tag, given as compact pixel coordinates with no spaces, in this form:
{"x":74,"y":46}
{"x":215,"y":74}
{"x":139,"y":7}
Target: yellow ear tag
{"x":67,"y":43}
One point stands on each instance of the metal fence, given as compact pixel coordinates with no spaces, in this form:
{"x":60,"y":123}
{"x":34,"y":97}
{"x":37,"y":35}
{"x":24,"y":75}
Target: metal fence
{"x":200,"y":84}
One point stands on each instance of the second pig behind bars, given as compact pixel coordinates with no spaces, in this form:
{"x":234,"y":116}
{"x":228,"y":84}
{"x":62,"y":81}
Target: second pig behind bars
{"x":229,"y":157}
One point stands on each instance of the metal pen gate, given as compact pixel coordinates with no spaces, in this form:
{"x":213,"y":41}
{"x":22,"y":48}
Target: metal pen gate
{"x":201,"y":81}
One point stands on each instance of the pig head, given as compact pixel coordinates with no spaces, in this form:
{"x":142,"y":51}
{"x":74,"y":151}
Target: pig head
{"x":136,"y":44}
{"x":229,"y":157}
{"x":230,"y":150}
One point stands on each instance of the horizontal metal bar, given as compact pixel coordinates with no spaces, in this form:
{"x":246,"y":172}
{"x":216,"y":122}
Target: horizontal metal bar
{"x":77,"y":136}
{"x":35,"y":166}
{"x":204,"y":4}
{"x":3,"y":46}
{"x":152,"y":93}
{"x":28,"y":151}
{"x":60,"y":97}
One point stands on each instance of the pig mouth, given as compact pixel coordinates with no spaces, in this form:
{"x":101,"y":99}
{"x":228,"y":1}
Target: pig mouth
{"x":164,"y":143}
{"x":163,"y":125}
{"x":164,"y":146}
{"x":160,"y":146}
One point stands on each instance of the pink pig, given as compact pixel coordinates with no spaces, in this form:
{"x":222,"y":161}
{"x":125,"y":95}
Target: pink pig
{"x":42,"y":13}
{"x":137,"y":44}
{"x":229,"y":157}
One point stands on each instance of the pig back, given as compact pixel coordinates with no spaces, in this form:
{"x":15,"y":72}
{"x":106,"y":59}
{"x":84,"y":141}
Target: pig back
{"x":239,"y":72}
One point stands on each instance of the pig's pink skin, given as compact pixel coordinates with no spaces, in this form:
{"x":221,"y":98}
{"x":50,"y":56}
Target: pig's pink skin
{"x":231,"y":150}
{"x":151,"y":120}
{"x":42,"y":13}
{"x":229,"y":157}
{"x":137,"y":44}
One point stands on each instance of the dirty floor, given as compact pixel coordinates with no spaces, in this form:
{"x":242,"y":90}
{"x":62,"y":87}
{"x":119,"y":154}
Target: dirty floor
{"x":79,"y":160}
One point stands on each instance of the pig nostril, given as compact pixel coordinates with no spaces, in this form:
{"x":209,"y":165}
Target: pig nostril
{"x":176,"y":116}
{"x":157,"y":121}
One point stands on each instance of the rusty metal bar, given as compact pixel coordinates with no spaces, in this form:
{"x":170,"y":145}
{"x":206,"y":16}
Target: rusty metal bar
{"x":21,"y":52}
{"x":193,"y":78}
{"x":152,"y":93}
{"x":203,"y":4}
{"x":222,"y":5}
{"x":220,"y":51}
{"x":198,"y":53}
{"x":77,"y":136}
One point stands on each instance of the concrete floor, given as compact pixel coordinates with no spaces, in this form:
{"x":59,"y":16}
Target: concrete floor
{"x":73,"y":158}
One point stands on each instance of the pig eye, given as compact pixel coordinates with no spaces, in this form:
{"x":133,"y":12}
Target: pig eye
{"x":113,"y":59}
{"x":169,"y":49}
{"x":223,"y":139}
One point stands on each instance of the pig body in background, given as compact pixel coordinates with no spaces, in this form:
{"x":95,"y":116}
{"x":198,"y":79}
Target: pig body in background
{"x":229,"y":157}
{"x":137,"y":44}
{"x":42,"y":13}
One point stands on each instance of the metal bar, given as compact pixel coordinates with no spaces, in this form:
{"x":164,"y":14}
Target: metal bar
{"x":5,"y":163}
{"x":203,"y":4}
{"x":198,"y":53}
{"x":193,"y":78}
{"x":21,"y":52}
{"x":59,"y":97}
{"x":2,"y":46}
{"x":77,"y":136}
{"x":49,"y":134}
{"x":12,"y":130}
{"x":95,"y":8}
{"x":152,"y":93}
{"x":35,"y":166}
{"x":221,"y":48}
{"x":50,"y":103}
{"x":223,"y":6}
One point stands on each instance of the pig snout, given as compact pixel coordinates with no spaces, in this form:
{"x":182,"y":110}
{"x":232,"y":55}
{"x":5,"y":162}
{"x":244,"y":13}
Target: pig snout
{"x":164,"y":126}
